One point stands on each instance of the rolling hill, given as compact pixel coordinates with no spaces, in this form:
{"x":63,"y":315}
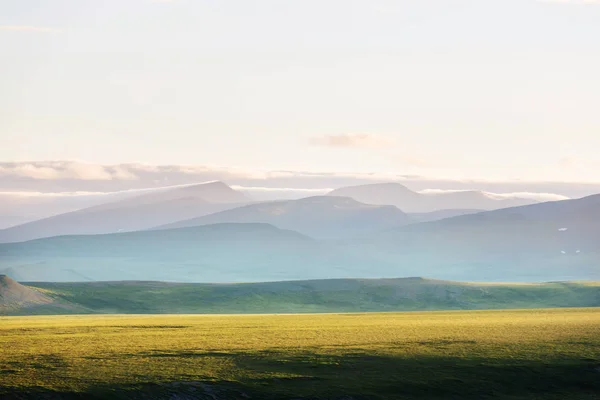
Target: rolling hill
{"x":131,"y":214}
{"x":414,"y":202}
{"x":15,"y":297}
{"x":320,"y":217}
{"x":344,"y":295}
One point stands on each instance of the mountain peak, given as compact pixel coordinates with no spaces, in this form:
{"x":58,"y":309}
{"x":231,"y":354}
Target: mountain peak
{"x":387,"y":193}
{"x":214,"y":192}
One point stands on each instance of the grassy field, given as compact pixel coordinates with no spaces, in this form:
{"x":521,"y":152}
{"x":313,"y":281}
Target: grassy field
{"x":525,"y":354}
{"x":334,"y":295}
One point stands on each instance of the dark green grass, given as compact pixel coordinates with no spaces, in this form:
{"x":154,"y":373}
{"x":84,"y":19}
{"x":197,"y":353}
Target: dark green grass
{"x":344,"y":295}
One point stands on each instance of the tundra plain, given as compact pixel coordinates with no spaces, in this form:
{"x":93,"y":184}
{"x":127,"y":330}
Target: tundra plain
{"x":520,"y":354}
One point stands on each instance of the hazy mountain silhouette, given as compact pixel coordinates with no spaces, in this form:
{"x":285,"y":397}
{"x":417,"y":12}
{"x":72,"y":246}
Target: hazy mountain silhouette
{"x":319,"y":216}
{"x":554,"y":238}
{"x":542,"y":242}
{"x":140,"y":212}
{"x":414,"y":202}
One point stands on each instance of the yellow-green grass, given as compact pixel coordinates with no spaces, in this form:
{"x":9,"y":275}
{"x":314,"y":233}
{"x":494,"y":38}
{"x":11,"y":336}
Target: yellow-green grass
{"x":541,"y":354}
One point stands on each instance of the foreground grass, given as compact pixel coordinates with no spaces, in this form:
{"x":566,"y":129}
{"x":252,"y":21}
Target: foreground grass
{"x":538,"y":354}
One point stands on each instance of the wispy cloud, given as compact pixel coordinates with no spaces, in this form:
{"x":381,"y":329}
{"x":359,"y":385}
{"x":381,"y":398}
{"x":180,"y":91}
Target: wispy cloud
{"x":56,"y":170}
{"x":358,"y":140}
{"x":29,"y":28}
{"x":503,"y":196}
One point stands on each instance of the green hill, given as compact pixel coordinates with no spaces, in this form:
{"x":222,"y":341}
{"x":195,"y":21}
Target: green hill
{"x":337,"y":295}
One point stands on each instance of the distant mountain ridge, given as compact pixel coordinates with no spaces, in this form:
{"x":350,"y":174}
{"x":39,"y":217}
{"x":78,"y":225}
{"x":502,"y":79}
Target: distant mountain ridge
{"x":540,"y":242}
{"x":131,"y":214}
{"x":318,"y":216}
{"x":415,"y":202}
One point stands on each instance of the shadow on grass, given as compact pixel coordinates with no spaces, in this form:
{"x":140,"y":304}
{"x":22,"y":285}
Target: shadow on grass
{"x":355,"y":376}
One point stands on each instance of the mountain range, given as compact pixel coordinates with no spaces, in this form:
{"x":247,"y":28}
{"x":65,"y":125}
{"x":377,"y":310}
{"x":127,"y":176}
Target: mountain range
{"x":320,"y":216}
{"x":541,"y":242}
{"x":132,"y":214}
{"x":212,"y":233}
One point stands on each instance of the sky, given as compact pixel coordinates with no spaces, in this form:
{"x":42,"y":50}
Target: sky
{"x":445,"y":89}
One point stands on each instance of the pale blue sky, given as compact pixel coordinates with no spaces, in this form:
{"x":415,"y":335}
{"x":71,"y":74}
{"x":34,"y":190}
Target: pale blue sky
{"x":482,"y":89}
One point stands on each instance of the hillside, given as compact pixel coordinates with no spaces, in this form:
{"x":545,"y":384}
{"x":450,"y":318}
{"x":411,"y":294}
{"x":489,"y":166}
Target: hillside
{"x":17,"y":298}
{"x":344,"y":295}
{"x":319,"y":217}
{"x":558,"y":239}
{"x":131,"y":214}
{"x":413,"y":202}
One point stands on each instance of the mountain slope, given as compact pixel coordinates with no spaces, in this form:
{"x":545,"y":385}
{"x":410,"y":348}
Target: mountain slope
{"x":343,"y":295}
{"x":141,"y":212}
{"x":558,"y":239}
{"x":413,"y":202}
{"x":319,"y":217}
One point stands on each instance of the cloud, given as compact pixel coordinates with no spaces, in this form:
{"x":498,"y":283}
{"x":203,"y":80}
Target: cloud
{"x":360,"y":140}
{"x":501,"y":196}
{"x":529,"y":195}
{"x":29,"y":28}
{"x":57,"y":170}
